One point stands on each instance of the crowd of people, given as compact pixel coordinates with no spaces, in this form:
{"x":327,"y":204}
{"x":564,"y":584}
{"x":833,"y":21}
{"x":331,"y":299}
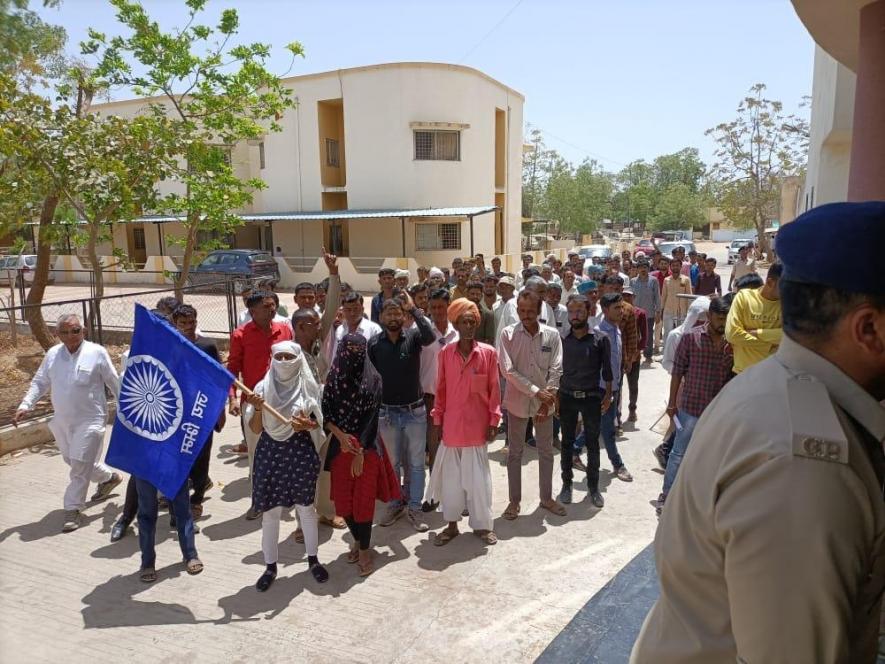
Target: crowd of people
{"x":771,"y":540}
{"x":341,"y":409}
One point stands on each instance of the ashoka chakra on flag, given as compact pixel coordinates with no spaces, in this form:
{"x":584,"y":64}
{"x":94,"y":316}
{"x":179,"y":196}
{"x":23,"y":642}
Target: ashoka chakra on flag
{"x":150,"y":403}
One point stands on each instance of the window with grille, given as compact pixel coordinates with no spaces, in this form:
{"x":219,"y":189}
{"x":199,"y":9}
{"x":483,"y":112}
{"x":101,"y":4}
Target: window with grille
{"x":434,"y":237}
{"x":332,"y":158}
{"x":138,"y":238}
{"x":438,"y":145}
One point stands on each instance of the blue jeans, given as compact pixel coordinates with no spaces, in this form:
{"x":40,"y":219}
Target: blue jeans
{"x":147,"y":521}
{"x":680,"y":445}
{"x":404,"y":431}
{"x":607,"y":428}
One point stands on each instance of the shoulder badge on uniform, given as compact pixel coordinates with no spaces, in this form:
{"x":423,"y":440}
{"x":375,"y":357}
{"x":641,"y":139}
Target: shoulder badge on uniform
{"x":816,"y":431}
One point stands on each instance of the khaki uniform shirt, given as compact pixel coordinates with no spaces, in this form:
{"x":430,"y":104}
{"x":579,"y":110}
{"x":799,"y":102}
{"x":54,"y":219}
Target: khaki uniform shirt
{"x":771,"y":546}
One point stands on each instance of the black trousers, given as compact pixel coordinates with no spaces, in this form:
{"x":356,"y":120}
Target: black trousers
{"x":200,"y":473}
{"x":590,"y":410}
{"x":632,"y":377}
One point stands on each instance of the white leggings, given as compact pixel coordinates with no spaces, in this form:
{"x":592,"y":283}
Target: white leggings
{"x":270,"y":531}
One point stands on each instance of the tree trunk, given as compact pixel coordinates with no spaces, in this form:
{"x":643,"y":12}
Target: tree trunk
{"x":188,"y":256}
{"x":34,"y":314}
{"x":93,"y":258}
{"x":761,"y":239}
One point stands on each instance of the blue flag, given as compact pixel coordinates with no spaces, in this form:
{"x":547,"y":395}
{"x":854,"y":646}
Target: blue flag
{"x":171,"y":396}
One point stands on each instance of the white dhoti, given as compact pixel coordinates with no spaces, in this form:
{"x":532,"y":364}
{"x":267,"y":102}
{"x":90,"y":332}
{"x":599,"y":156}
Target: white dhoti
{"x":80,"y":446}
{"x":461,"y":478}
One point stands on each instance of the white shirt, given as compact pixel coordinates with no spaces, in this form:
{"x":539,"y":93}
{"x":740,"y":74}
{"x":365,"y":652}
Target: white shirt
{"x":508,"y":316}
{"x":76,"y":383}
{"x":429,"y":356}
{"x":594,"y":320}
{"x":529,"y":364}
{"x":366,"y":328}
{"x":560,"y":315}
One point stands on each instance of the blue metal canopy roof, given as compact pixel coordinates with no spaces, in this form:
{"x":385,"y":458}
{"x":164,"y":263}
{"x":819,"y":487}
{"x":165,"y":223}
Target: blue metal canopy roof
{"x":329,"y":215}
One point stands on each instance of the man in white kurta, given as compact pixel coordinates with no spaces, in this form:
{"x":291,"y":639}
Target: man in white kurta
{"x":75,"y":373}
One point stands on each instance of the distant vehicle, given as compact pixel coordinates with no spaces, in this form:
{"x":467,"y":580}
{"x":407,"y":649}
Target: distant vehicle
{"x":240,"y":265}
{"x":20,"y":269}
{"x":666,"y":248}
{"x":672,"y":236}
{"x":735,"y":247}
{"x":595,"y":251}
{"x":645,"y":245}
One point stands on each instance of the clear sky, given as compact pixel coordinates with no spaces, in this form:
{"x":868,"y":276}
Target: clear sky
{"x":616,"y":80}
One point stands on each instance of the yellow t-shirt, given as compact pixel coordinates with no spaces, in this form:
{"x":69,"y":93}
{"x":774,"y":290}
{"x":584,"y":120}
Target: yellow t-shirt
{"x":754,"y":327}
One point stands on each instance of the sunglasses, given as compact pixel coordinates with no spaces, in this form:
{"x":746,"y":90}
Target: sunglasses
{"x":73,"y":330}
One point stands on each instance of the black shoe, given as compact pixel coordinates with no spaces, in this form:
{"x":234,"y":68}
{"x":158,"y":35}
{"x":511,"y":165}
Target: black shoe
{"x":319,"y":573}
{"x":659,"y":455}
{"x":429,"y":506}
{"x":118,"y":530}
{"x":266,"y":581}
{"x":597,"y":499}
{"x":565,"y":496}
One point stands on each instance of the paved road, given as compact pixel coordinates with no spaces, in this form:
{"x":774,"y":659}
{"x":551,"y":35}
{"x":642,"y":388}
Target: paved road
{"x":76,"y":597}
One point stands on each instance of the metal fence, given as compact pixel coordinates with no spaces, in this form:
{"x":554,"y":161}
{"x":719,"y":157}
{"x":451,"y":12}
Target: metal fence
{"x":108,"y":321}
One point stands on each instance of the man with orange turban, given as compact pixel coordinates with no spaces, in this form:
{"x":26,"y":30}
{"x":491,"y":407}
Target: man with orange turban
{"x":467,"y":409}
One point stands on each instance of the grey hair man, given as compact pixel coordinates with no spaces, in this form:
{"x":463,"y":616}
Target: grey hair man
{"x":509,"y":316}
{"x":76,"y":372}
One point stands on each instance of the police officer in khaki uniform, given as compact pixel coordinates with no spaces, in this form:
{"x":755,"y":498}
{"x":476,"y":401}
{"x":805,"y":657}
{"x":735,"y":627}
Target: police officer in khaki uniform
{"x":771,"y":547}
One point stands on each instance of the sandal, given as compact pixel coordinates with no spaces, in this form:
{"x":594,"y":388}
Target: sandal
{"x":367,"y":566}
{"x":298,"y":535}
{"x":194,"y":566}
{"x":555,"y":507}
{"x":354,"y":554}
{"x":511,"y":512}
{"x":148,"y":575}
{"x":487,"y":536}
{"x":443,"y":537}
{"x":337,"y":523}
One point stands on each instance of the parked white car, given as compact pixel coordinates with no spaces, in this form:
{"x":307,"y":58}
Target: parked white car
{"x":735,"y":247}
{"x":15,"y":268}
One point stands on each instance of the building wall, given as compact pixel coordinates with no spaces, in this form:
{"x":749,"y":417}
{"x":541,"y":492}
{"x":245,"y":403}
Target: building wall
{"x":829,"y":151}
{"x":380,"y":172}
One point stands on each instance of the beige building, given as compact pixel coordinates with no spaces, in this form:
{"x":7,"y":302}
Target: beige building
{"x":846,"y":157}
{"x":409,"y":163}
{"x":829,"y":149}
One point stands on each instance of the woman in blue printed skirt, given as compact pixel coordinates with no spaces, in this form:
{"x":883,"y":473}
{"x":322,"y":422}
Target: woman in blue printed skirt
{"x":287,"y":463}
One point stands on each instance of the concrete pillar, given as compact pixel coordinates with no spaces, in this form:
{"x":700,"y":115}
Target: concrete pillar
{"x":866,"y":180}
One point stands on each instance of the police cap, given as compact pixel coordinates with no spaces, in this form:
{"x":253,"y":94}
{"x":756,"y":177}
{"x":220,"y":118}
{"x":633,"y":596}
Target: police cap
{"x":814,"y":247}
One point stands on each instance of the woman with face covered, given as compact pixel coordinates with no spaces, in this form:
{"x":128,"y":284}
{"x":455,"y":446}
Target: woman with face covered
{"x":357,"y":458}
{"x":286,"y":463}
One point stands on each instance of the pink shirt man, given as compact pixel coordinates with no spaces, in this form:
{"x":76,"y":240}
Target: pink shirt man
{"x":468,"y":395}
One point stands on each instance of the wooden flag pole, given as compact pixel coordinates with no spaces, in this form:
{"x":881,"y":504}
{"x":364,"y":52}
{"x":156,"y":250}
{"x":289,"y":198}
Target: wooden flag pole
{"x":270,"y":410}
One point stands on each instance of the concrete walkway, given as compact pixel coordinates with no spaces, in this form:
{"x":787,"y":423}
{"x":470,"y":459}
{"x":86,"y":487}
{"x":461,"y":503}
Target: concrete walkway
{"x":76,"y":597}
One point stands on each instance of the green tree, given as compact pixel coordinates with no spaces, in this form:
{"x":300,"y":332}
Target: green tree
{"x":683,"y":167}
{"x":31,"y":62}
{"x":578,"y":198}
{"x":678,"y":208}
{"x":216,"y":95}
{"x":755,"y":151}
